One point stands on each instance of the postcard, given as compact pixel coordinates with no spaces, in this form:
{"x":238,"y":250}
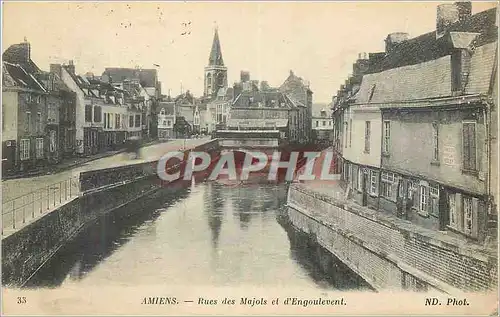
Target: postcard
{"x":249,"y":158}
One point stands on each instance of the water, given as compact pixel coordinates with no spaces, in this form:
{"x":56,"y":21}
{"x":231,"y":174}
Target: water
{"x":206,"y":234}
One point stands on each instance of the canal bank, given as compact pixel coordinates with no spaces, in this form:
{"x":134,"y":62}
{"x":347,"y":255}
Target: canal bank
{"x":385,"y":251}
{"x":26,"y":250}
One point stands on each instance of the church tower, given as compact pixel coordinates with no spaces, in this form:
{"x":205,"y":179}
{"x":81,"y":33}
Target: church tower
{"x":215,"y":72}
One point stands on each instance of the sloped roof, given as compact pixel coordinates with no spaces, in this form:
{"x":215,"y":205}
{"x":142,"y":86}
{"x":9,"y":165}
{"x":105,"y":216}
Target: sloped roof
{"x":426,"y":47}
{"x":168,"y":106}
{"x":426,"y":80}
{"x":264,"y":99}
{"x":146,"y":77}
{"x":318,"y":107}
{"x":15,"y":75}
{"x":481,"y":69}
{"x":257,"y":123}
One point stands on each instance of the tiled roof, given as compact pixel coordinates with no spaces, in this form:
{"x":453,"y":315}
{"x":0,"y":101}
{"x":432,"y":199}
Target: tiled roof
{"x":318,"y":107}
{"x":257,"y":123}
{"x":425,"y":47}
{"x":16,"y":75}
{"x":481,"y":69}
{"x":256,"y":99}
{"x":426,"y":80}
{"x":169,"y":107}
{"x":146,"y":77}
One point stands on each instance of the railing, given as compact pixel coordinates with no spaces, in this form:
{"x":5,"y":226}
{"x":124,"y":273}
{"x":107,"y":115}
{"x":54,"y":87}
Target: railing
{"x":17,"y":212}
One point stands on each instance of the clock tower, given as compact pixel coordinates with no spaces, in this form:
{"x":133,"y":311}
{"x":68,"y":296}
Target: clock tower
{"x":215,"y":72}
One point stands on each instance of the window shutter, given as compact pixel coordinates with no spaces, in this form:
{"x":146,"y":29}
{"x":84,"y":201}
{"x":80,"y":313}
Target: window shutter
{"x":466,"y":146}
{"x":460,"y":211}
{"x":475,"y":218}
{"x":472,"y":146}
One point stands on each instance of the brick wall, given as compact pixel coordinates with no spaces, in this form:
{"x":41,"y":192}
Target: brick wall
{"x":382,"y":250}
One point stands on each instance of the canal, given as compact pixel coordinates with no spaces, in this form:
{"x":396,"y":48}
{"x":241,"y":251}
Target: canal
{"x":206,"y":234}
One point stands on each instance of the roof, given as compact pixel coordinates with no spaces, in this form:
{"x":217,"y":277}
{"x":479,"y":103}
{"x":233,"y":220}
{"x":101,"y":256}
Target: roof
{"x":215,"y":58}
{"x":257,"y":123}
{"x":426,"y":47}
{"x":318,"y":107}
{"x":14,"y":75}
{"x":426,"y":80}
{"x":262,"y":99}
{"x":482,"y":69}
{"x":186,"y":111}
{"x":168,"y":107}
{"x":146,"y":77}
{"x":21,"y":54}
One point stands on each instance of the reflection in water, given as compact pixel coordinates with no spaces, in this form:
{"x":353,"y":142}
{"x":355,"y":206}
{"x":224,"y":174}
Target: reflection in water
{"x":202,"y":233}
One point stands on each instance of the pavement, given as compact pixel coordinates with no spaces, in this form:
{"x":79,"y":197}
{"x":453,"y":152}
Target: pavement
{"x":13,"y":188}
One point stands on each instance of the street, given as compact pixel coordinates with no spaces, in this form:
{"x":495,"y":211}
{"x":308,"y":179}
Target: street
{"x":18,"y":187}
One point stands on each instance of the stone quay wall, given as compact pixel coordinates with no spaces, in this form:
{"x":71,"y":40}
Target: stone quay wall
{"x":102,"y":191}
{"x":389,"y":253}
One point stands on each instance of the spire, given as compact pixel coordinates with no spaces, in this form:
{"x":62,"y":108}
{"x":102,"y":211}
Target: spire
{"x":215,"y":58}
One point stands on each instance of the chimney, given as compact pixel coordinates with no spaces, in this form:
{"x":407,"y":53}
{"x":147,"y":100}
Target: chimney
{"x":71,"y":67}
{"x":449,"y":13}
{"x":18,"y":53}
{"x":244,"y":76}
{"x":394,"y":39}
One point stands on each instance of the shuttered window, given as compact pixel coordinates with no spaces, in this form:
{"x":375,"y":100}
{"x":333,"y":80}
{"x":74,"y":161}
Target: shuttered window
{"x":469,"y":146}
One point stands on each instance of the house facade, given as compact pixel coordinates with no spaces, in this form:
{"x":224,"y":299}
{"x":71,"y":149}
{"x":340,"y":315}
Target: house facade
{"x":166,"y":120}
{"x":428,"y":112}
{"x":322,"y":123}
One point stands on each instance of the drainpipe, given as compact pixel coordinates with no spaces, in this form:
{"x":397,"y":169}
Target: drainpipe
{"x":487,"y":128}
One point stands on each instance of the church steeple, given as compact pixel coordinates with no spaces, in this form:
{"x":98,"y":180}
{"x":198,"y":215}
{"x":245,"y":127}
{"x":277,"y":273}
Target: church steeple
{"x":215,"y":58}
{"x":215,"y":72}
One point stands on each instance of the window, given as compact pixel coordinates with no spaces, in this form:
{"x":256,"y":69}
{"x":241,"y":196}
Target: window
{"x":162,"y":111}
{"x":137,"y":120}
{"x":435,"y":142}
{"x":28,"y":121}
{"x":105,"y":120}
{"x":350,"y":132}
{"x":38,"y":99}
{"x":164,"y":122}
{"x":329,"y":123}
{"x":324,"y":123}
{"x":467,"y":215}
{"x":39,"y":122}
{"x":367,"y":136}
{"x":469,"y":146}
{"x":53,"y":141}
{"x":387,"y":136}
{"x":434,"y":200}
{"x":411,"y":189}
{"x":131,"y":121}
{"x":423,"y":199}
{"x":389,"y":186}
{"x":117,"y":121}
{"x":24,"y":150}
{"x":453,"y":211}
{"x":88,"y":113}
{"x":39,"y":148}
{"x":123,"y":121}
{"x":373,"y":183}
{"x":168,"y":123}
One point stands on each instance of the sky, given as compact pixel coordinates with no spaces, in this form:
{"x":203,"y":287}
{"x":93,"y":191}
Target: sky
{"x":319,"y":41}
